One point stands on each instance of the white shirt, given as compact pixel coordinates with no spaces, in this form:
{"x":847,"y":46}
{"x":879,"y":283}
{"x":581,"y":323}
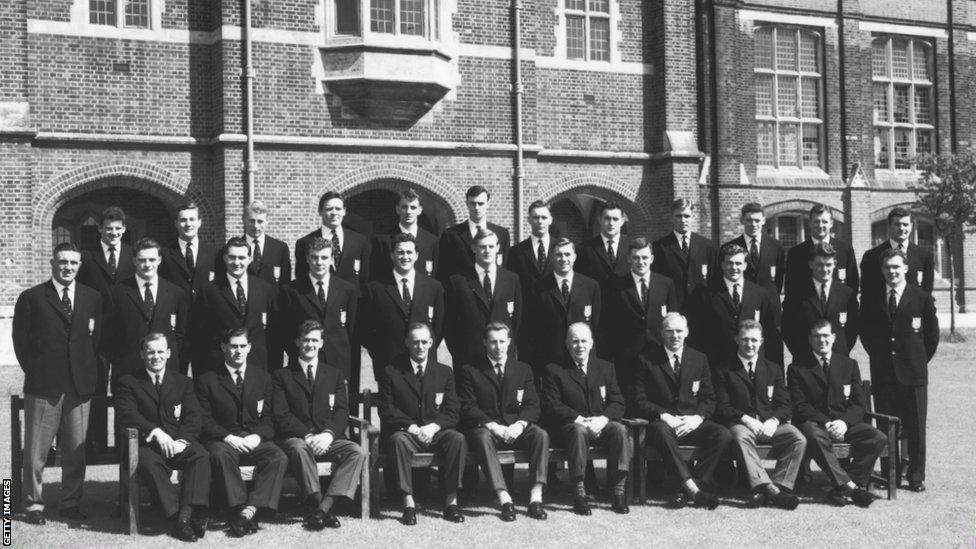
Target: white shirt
{"x":581,"y":363}
{"x":305,"y":365}
{"x":535,"y":245}
{"x":260,"y":239}
{"x":105,"y":252}
{"x":745,"y":362}
{"x":492,"y":274}
{"x":637,"y":281}
{"x":325,"y":284}
{"x":748,"y":240}
{"x":327,"y":234}
{"x":59,"y":288}
{"x":673,"y":354}
{"x":494,"y":362}
{"x":153,"y":286}
{"x":568,"y":278}
{"x":817,"y":284}
{"x":826,"y":240}
{"x":679,"y":236}
{"x":233,"y":283}
{"x":417,"y":365}
{"x":195,"y":249}
{"x":411,"y":278}
{"x":729,"y":284}
{"x":473,"y":227}
{"x":616,"y":243}
{"x":820,"y":359}
{"x":152,"y":375}
{"x":894,"y":245}
{"x":899,"y":289}
{"x":232,"y":370}
{"x":411,"y":231}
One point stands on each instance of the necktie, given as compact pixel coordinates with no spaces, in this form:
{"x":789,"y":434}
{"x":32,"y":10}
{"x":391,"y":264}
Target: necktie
{"x":257,"y":253}
{"x":684,"y":245}
{"x":823,"y":296}
{"x":336,"y":249}
{"x":113,"y":261}
{"x":487,"y":285}
{"x":239,"y":381}
{"x":148,"y":297}
{"x":311,"y":376}
{"x":66,"y":302}
{"x":420,"y":374}
{"x":582,"y":370}
{"x":321,"y":293}
{"x":158,"y":382}
{"x":407,"y":298}
{"x":541,"y":256}
{"x":752,"y":372}
{"x":826,"y":367}
{"x":498,"y":372}
{"x":677,"y":365}
{"x":736,"y":298}
{"x":644,"y":297}
{"x":610,"y":254}
{"x":241,"y":298}
{"x":189,"y":257}
{"x":754,"y":252}
{"x":892,"y":303}
{"x":565,"y":290}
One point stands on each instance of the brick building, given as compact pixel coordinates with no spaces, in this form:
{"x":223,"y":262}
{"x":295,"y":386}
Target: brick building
{"x":140,"y":102}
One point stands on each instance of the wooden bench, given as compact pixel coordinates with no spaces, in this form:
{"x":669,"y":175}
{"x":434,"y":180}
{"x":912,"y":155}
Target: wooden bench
{"x":369,"y":400}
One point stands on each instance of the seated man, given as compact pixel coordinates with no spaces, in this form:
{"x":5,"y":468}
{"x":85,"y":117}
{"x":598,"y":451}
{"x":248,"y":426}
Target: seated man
{"x":500,"y":409}
{"x":583,"y":402}
{"x":828,"y":407}
{"x":160,"y":403}
{"x":311,"y":410}
{"x":238,"y":428}
{"x":673,"y":390}
{"x":754,"y":404}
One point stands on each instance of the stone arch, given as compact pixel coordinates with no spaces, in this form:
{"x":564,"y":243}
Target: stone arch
{"x":882,"y":213}
{"x":603,"y":187}
{"x":803,"y":206}
{"x":372,"y":177}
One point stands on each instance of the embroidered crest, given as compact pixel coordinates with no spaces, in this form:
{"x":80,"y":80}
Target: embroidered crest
{"x":847,"y":391}
{"x":429,"y":267}
{"x":772,"y":271}
{"x":918,"y":278}
{"x":331,"y":400}
{"x":177,"y":410}
{"x":430,"y":313}
{"x":91,"y":326}
{"x":498,"y":260}
{"x":210,"y":276}
{"x":511,"y":307}
{"x":355,"y":266}
{"x":842,"y":318}
{"x":264,"y":319}
{"x":587,"y":312}
{"x":664,"y":310}
{"x":172,"y":322}
{"x":438,"y":399}
{"x":755,"y":316}
{"x":704,"y":271}
{"x":518,"y":396}
{"x":277,"y":272}
{"x":603,"y":392}
{"x":260,"y":407}
{"x":695,"y":385}
{"x":769,"y":392}
{"x":842,"y":274}
{"x":342,"y":317}
{"x":916,"y":323}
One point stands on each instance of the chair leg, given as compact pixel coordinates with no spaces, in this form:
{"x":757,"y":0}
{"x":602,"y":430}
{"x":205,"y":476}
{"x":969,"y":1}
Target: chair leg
{"x":131,"y":510}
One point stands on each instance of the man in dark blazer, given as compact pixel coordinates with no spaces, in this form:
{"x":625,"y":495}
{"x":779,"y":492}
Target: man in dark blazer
{"x":603,"y":257}
{"x":921,"y":265}
{"x":752,"y":401}
{"x":322,"y":296}
{"x":408,"y":210}
{"x":56,"y":331}
{"x":564,"y":297}
{"x":238,"y":429}
{"x":500,"y":408}
{"x":419,"y":410}
{"x":900,"y":331}
{"x":110,"y":262}
{"x":350,"y":250}
{"x":583,"y":405}
{"x":141,"y":305}
{"x":486,"y":293}
{"x":531,"y":259}
{"x":455,"y":250}
{"x":162,"y":405}
{"x":311,"y":409}
{"x":673,"y":390}
{"x":689,"y":259}
{"x":392,"y":303}
{"x":797,"y":259}
{"x":823,"y":299}
{"x":271,"y":258}
{"x":828,"y":407}
{"x":766,"y":257}
{"x":714,"y":311}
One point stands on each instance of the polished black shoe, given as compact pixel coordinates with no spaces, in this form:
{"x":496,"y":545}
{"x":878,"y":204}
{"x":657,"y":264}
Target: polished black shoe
{"x":252,"y":526}
{"x":453,"y":514}
{"x":756,"y":500}
{"x":239,"y":527}
{"x":199,"y":526}
{"x":679,"y":500}
{"x":409,"y":516}
{"x":784,"y":500}
{"x":330,"y":520}
{"x":72,"y":513}
{"x":315,"y":520}
{"x":916,"y":486}
{"x":508,"y":512}
{"x":581,"y":507}
{"x":706,"y":499}
{"x":183,"y":531}
{"x":619,"y":504}
{"x":35,"y":517}
{"x":536,"y":511}
{"x":838,"y":496}
{"x":861,"y":497}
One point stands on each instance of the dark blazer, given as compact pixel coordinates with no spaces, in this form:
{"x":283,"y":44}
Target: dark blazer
{"x":274,"y":254}
{"x":770,"y":271}
{"x":215,"y":310}
{"x":57,"y":353}
{"x":900,"y":348}
{"x":815,"y":398}
{"x":468,"y":311}
{"x":627,"y":327}
{"x":568,"y":395}
{"x":921,"y":268}
{"x":127,"y":321}
{"x":656,"y":391}
{"x":484,"y":401}
{"x":174,"y":409}
{"x":714,"y":322}
{"x":455,"y":255}
{"x":798,"y":272}
{"x":301,"y":409}
{"x":381,"y":264}
{"x":299,"y":302}
{"x":701,"y":265}
{"x":227,"y":412}
{"x":384,"y":318}
{"x":522,"y":261}
{"x":737,"y":396}
{"x":404,"y":401}
{"x":547,"y":318}
{"x":592,"y":260}
{"x":94,"y":271}
{"x":802,"y":309}
{"x":353,"y":263}
{"x":173,"y":268}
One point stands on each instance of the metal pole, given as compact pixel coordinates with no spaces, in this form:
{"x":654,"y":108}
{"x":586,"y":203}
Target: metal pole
{"x":248,"y":107}
{"x":518,"y":89}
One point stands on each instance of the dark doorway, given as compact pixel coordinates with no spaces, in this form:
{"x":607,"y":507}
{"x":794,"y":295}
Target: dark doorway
{"x":77,"y":219}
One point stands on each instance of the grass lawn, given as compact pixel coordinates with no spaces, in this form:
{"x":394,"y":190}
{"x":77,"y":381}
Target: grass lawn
{"x":944,"y":516}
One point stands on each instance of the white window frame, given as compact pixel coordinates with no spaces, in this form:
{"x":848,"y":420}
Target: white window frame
{"x":120,"y":15}
{"x":913,"y":83}
{"x":434,"y":18}
{"x":588,"y":15}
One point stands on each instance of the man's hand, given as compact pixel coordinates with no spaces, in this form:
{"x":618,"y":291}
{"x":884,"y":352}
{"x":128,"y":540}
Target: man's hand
{"x":166,"y":442}
{"x":769,"y":427}
{"x":252,"y":441}
{"x":497,"y":429}
{"x":596,"y":424}
{"x":688,"y":424}
{"x":178,"y":447}
{"x":514,"y":431}
{"x":320,"y":443}
{"x":237,"y":443}
{"x":752,"y":423}
{"x":414,"y":430}
{"x":427,"y":432}
{"x":672,"y":421}
{"x":837,"y":429}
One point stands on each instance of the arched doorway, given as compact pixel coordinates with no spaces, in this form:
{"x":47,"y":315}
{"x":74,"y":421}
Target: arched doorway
{"x":372,"y":211}
{"x":576,"y":216}
{"x":77,"y":219}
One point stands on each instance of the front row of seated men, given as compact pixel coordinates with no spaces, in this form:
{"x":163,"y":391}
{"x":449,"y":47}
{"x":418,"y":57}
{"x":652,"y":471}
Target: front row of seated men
{"x":241,"y":416}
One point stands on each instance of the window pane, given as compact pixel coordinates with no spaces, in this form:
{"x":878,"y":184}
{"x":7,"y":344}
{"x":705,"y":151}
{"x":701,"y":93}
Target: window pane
{"x":788,"y":232}
{"x":879,"y":232}
{"x":923,"y":141}
{"x":575,"y":37}
{"x":786,"y":96}
{"x":879,"y":58}
{"x":381,"y":15}
{"x":576,"y":5}
{"x":811,"y":145}
{"x":899,"y":59}
{"x":137,"y":14}
{"x":808,"y":52}
{"x":412,"y":17}
{"x":882,"y":157}
{"x":810,"y":96}
{"x":599,"y":39}
{"x":787,"y":145}
{"x":764,"y":49}
{"x":101,"y":12}
{"x":786,"y":50}
{"x":602,"y":6}
{"x":920,"y":70}
{"x":764,"y":144}
{"x":923,"y":105}
{"x":901,"y":103}
{"x":347,"y":17}
{"x":764,"y":95}
{"x":902,"y":149}
{"x":881,"y":103}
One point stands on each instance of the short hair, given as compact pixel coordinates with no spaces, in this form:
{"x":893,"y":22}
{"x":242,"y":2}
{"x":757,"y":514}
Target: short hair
{"x":610,"y":205}
{"x":65,"y":247}
{"x":751,"y":208}
{"x":823,"y":249}
{"x":187,"y":205}
{"x":230,"y":333}
{"x":563,"y":241}
{"x":327,"y":196}
{"x":821,"y":323}
{"x":578,"y":325}
{"x":819,"y":209}
{"x":414,"y":326}
{"x":112,"y":213}
{"x":236,"y":242}
{"x":400,"y":238}
{"x":682,"y":204}
{"x":496,"y":326}
{"x":407,"y":195}
{"x":153,"y":336}
{"x":483,"y":234}
{"x":317,"y":244}
{"x":538,"y":204}
{"x":899,"y":213}
{"x":638,"y":243}
{"x":672,"y":316}
{"x":476,"y":190}
{"x":748,"y":324}
{"x":257,"y":208}
{"x":310,"y":326}
{"x":730,"y":249}
{"x":894,"y":252}
{"x":144,"y":243}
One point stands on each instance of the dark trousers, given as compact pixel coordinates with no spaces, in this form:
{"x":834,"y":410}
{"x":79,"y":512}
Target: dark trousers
{"x":269,"y":464}
{"x":533,"y":440}
{"x":910,"y":403}
{"x":194,"y":487}
{"x":866,"y":445}
{"x":348,"y":458}
{"x":712,"y":438}
{"x":449,"y":446}
{"x":614,"y":437}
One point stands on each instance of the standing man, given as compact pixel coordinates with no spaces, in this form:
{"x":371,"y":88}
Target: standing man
{"x":752,"y":401}
{"x":687,"y":258}
{"x":583,"y":404}
{"x":531,"y":259}
{"x":408,"y":210}
{"x":673,"y":390}
{"x":271,"y":258}
{"x":455,"y":249}
{"x":419,"y":410}
{"x":393,"y":302}
{"x":350,"y":250}
{"x":766,"y":257}
{"x":111,"y":262}
{"x":56,"y":330}
{"x":311,"y":408}
{"x":900,"y":332}
{"x":500,"y":409}
{"x":797,"y":259}
{"x":603,"y":257}
{"x":486,"y":293}
{"x":921,"y":266}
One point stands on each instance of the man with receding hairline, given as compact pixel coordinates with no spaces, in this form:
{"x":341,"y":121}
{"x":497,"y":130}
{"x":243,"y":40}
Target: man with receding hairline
{"x":271,"y":258}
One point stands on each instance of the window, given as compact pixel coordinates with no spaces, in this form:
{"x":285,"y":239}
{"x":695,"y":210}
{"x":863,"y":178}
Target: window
{"x":924,"y":235}
{"x":588,"y":29}
{"x":396,"y":17}
{"x":790,"y":228}
{"x":789,"y":107}
{"x":131,"y":14}
{"x":901,"y":71}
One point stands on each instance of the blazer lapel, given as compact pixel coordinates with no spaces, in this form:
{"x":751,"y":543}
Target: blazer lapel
{"x":665,"y":367}
{"x":139,"y":301}
{"x":394,"y":293}
{"x":411,"y":377}
{"x":55,"y":300}
{"x":229,"y":296}
{"x":228,"y":383}
{"x":479,"y":291}
{"x":632,"y":293}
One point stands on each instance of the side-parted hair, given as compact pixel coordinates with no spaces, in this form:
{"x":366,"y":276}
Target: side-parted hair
{"x":256,"y":208}
{"x":477,"y":190}
{"x":230,"y":333}
{"x":894,"y":252}
{"x":823,"y":249}
{"x":407,"y":195}
{"x":497,"y":327}
{"x":310,"y":326}
{"x":65,"y":247}
{"x":112,"y":213}
{"x":819,"y":209}
{"x":538,"y":204}
{"x":327,"y":196}
{"x":899,"y":213}
{"x":153,"y":336}
{"x":563,"y":241}
{"x":414,"y":326}
{"x":820,"y":324}
{"x":187,"y":205}
{"x":730,"y":249}
{"x":400,"y":238}
{"x":483,"y":234}
{"x":751,"y":208}
{"x":610,"y":205}
{"x":317,"y":244}
{"x":681,"y":205}
{"x":236,"y":242}
{"x":639,"y":243}
{"x":144,"y":243}
{"x":748,"y":324}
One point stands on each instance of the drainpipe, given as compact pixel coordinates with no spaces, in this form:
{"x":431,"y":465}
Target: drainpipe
{"x":248,"y":107}
{"x":952,"y":78}
{"x":518,"y":90}
{"x":842,"y":98}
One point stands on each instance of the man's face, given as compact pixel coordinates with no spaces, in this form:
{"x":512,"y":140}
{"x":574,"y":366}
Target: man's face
{"x":404,"y":256}
{"x":333,"y":211}
{"x":409,"y":211}
{"x":579,"y":341}
{"x":147,"y":262}
{"x":112,"y":232}
{"x":64,"y":266}
{"x":640,"y":261}
{"x":540,"y":219}
{"x":681,"y":221}
{"x":733,"y":266}
{"x":821,"y":340}
{"x":155,"y":354}
{"x":674,"y":331}
{"x":477,"y":207}
{"x":900,"y":229}
{"x":188,"y":223}
{"x":820,"y":225}
{"x":894,"y":270}
{"x":236,"y":259}
{"x":485,"y":251}
{"x":497,"y":342}
{"x":564,"y":257}
{"x":418,"y":344}
{"x":752,"y":224}
{"x":610,"y":222}
{"x":255,"y":224}
{"x":749,"y":341}
{"x":310,"y":344}
{"x":823,"y":268}
{"x":319,"y":262}
{"x":236,"y":350}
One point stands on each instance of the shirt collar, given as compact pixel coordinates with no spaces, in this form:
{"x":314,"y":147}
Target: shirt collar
{"x":414,"y":364}
{"x":894,"y":245}
{"x":748,"y":240}
{"x":473,"y":227}
{"x":729,"y":283}
{"x":195,"y":243}
{"x":250,"y":240}
{"x":680,"y":352}
{"x":118,"y":248}
{"x":637,"y":278}
{"x":679,"y":236}
{"x":493,"y":362}
{"x":233,"y":281}
{"x":152,"y":375}
{"x":745,"y":361}
{"x":154,"y":282}
{"x":411,"y":277}
{"x":327,"y":232}
{"x":232,"y":370}
{"x":825,"y":240}
{"x":817,"y":284}
{"x":607,"y":239}
{"x":535,"y":241}
{"x":481,"y":271}
{"x":899,"y":289}
{"x":568,"y":278}
{"x":315,"y":281}
{"x":820,"y":358}
{"x":60,"y":287}
{"x":314,"y":364}
{"x":413,"y":231}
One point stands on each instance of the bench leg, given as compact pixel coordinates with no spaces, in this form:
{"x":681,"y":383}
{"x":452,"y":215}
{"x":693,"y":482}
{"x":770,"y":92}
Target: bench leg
{"x":130,"y":510}
{"x":16,"y":454}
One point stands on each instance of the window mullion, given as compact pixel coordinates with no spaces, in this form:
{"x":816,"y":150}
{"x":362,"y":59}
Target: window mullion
{"x":120,"y":14}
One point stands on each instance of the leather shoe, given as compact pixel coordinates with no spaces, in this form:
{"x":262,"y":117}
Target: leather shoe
{"x":72,"y":513}
{"x":330,"y":520}
{"x":756,"y":500}
{"x":536,"y":511}
{"x":251,"y":525}
{"x":238,"y":527}
{"x":679,"y":500}
{"x":35,"y":517}
{"x":838,"y":496}
{"x":409,"y":516}
{"x":508,"y":512}
{"x":199,"y":526}
{"x":786,"y":501}
{"x":315,"y":520}
{"x":917,"y":486}
{"x":619,"y":504}
{"x":861,"y":497}
{"x":706,"y":499}
{"x":581,"y":507}
{"x":183,"y":531}
{"x":453,"y":514}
